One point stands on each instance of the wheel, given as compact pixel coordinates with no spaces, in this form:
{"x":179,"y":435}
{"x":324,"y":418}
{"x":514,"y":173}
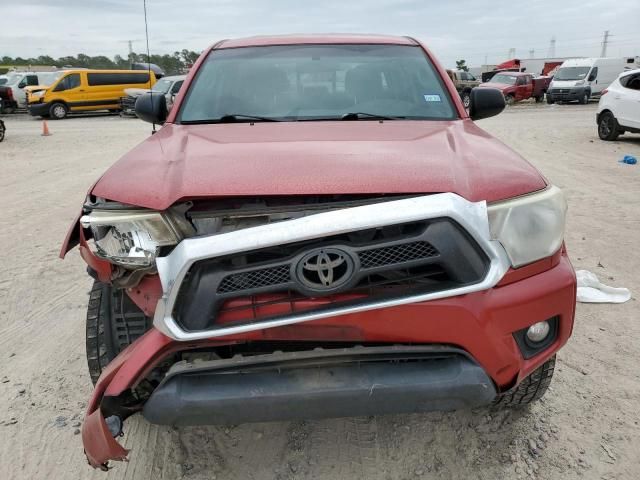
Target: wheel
{"x":539,"y":99}
{"x":58,"y":111}
{"x":113,"y":323}
{"x":530,"y":389}
{"x":550,"y":100}
{"x":509,"y":99}
{"x":466,"y":99}
{"x":2,"y":130}
{"x":608,"y":128}
{"x":584,"y":99}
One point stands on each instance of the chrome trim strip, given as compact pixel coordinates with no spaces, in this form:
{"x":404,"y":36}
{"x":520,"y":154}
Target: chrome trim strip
{"x":471,"y":216}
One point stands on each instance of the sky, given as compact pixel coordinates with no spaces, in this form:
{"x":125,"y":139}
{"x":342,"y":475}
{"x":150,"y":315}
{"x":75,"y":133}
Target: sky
{"x":473,"y":30}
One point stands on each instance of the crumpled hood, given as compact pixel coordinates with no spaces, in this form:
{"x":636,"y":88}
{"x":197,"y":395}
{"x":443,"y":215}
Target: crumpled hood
{"x":313,"y":158}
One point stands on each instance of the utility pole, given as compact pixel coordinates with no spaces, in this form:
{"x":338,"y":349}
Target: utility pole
{"x":130,"y":47}
{"x":512,"y":53}
{"x":605,"y":41}
{"x":552,"y":47}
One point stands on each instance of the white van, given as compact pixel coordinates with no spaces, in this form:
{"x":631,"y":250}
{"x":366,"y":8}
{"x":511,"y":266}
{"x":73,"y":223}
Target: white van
{"x":12,"y":91}
{"x":582,"y":78}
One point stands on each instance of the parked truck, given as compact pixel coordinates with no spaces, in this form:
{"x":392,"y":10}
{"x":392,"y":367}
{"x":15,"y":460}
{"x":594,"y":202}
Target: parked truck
{"x":517,"y":86}
{"x":464,"y":83}
{"x":281,"y":250}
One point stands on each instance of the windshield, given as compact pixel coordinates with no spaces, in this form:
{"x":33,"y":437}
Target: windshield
{"x":161,"y":86}
{"x":3,"y":79}
{"x":571,"y":73}
{"x":14,"y":78}
{"x":317,"y":82}
{"x":503,"y":78}
{"x":47,"y":79}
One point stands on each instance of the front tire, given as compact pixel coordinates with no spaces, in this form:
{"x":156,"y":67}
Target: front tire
{"x":584,"y":99}
{"x":530,"y":389}
{"x":608,"y":128}
{"x":113,"y":323}
{"x":57,"y":111}
{"x":466,"y":99}
{"x":2,"y":130}
{"x":509,"y":99}
{"x":550,"y":100}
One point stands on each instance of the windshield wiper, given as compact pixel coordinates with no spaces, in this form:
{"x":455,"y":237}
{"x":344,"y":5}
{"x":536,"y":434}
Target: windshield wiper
{"x":375,"y":116}
{"x":231,"y":118}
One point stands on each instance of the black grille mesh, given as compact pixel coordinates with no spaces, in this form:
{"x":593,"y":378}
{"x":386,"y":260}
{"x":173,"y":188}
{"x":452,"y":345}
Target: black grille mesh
{"x":396,"y":254}
{"x":255,"y":279}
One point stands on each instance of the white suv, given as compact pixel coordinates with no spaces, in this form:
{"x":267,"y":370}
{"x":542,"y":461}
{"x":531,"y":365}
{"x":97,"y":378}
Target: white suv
{"x":619,"y":107}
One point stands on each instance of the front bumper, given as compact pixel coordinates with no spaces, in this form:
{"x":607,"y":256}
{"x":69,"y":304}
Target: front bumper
{"x":353,"y":381}
{"x":480,"y":324}
{"x":38,"y":109}
{"x":567,"y":94}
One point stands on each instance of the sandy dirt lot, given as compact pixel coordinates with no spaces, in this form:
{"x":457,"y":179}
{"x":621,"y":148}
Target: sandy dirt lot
{"x":586,"y":427}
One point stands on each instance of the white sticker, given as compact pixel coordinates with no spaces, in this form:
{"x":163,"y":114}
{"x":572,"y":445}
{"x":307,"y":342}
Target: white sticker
{"x":432,"y":98}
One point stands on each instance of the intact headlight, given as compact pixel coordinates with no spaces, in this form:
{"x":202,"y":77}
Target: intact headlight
{"x":130,"y":238}
{"x":530,"y":227}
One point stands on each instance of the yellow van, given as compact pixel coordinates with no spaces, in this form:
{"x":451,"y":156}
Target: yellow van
{"x":87,"y":90}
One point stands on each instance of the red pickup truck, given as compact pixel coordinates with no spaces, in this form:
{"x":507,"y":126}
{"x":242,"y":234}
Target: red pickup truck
{"x":517,"y":86}
{"x":318,"y":229}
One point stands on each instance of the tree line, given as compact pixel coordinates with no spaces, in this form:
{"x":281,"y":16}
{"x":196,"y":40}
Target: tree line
{"x":178,"y":62}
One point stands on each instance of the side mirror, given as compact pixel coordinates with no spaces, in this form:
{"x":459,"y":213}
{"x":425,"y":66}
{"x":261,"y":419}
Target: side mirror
{"x":592,"y":77}
{"x":485,"y":103}
{"x":152,"y":108}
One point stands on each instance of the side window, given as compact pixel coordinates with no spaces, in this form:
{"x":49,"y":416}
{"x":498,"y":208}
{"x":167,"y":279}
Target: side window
{"x":594,"y":74}
{"x":464,"y":76}
{"x":470,"y":77}
{"x":32,"y":80}
{"x":632,"y":82}
{"x":521,"y":81}
{"x":102,"y":79}
{"x":176,"y":87}
{"x":68,"y":82}
{"x":23,"y":82}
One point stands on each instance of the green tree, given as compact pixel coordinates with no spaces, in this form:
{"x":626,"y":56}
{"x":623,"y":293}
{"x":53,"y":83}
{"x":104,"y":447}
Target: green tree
{"x":462,"y":65}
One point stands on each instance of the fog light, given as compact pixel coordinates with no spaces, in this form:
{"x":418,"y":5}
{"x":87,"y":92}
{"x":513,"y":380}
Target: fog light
{"x":538,"y":332}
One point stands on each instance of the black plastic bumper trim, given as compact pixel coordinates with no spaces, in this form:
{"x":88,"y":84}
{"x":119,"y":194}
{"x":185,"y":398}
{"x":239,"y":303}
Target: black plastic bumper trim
{"x":350,"y":382}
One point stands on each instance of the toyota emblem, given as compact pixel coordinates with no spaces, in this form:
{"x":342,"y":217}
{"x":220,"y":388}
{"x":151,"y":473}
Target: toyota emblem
{"x":325,"y":269}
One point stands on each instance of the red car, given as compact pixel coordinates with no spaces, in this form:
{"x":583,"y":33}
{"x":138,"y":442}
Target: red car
{"x":517,"y":86}
{"x":319,"y":229}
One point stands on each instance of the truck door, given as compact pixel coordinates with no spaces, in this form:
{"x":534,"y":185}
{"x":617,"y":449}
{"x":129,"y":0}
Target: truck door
{"x":521,"y":88}
{"x":593,"y":81}
{"x":28,"y":80}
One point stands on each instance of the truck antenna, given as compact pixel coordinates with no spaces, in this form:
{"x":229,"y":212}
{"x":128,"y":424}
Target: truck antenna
{"x":146,"y":33}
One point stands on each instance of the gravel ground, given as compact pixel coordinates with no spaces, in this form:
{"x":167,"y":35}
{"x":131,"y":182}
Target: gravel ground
{"x":585,"y":427}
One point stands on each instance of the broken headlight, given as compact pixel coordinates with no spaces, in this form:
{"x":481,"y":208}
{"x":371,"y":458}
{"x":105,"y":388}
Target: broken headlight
{"x":130,"y":238}
{"x":531,"y":227}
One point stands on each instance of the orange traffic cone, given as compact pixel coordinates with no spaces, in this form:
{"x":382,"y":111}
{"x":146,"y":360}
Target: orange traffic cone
{"x":45,"y":129}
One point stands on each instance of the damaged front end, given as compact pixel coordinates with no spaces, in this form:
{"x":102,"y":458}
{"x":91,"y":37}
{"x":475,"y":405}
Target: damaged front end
{"x":269,"y":309}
